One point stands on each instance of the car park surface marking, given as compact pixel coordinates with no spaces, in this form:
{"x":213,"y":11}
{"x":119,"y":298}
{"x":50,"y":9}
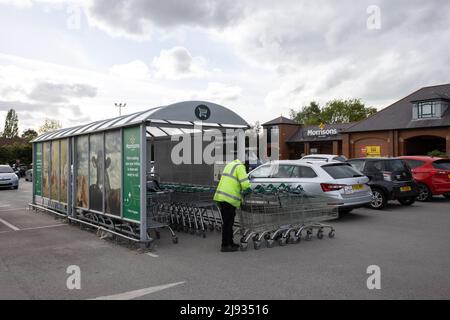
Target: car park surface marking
{"x":152,"y":255}
{"x":138,"y":293}
{"x":9,"y":225}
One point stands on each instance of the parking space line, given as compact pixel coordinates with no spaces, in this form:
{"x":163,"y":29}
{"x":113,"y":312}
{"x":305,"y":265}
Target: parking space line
{"x":138,"y":293}
{"x":12,"y":209}
{"x":152,"y":255}
{"x":44,"y":227}
{"x":9,"y":225}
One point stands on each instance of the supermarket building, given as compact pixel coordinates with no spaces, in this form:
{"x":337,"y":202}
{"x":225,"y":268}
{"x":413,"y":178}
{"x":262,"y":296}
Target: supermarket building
{"x":414,"y":125}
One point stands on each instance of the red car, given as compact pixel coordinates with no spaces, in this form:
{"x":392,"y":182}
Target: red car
{"x":432,"y":175}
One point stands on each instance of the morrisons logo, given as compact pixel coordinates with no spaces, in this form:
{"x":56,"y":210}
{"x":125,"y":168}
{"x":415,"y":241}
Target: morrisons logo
{"x":321,"y":131}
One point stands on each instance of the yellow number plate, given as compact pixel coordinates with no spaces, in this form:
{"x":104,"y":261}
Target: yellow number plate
{"x":357,"y":187}
{"x":404,"y":189}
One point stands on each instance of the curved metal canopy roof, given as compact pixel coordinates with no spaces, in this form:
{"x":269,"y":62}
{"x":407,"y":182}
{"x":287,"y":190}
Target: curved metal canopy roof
{"x":182,"y":114}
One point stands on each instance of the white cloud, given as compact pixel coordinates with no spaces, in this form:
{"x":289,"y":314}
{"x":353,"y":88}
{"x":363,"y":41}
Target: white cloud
{"x":178,"y":63}
{"x":136,"y":70}
{"x":218,"y":92}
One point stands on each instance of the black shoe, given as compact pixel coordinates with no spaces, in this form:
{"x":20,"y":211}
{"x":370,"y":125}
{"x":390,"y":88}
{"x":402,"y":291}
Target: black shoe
{"x":229,"y":248}
{"x":235,"y":245}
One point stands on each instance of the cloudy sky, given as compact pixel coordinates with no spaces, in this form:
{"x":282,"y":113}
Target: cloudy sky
{"x":72,"y":60}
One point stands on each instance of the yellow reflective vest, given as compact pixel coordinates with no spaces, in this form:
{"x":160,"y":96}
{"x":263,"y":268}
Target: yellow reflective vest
{"x":234,"y":180}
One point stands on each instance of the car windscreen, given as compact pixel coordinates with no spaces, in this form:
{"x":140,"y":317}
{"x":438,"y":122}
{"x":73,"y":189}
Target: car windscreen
{"x":261,"y":172}
{"x":357,"y":164}
{"x":6,"y":169}
{"x":341,"y":171}
{"x":443,"y":164}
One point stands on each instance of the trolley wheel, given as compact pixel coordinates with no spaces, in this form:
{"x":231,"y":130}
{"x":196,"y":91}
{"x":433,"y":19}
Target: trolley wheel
{"x":211,"y":227}
{"x":150,"y":245}
{"x":186,"y":229}
{"x":320,"y":234}
{"x":158,"y":234}
{"x":292,"y":239}
{"x":175,"y":240}
{"x":244,"y":246}
{"x":257,"y":244}
{"x":203,"y":234}
{"x":308,"y":236}
{"x":270,"y":243}
{"x":282,"y":241}
{"x":219,"y":228}
{"x":331,"y":234}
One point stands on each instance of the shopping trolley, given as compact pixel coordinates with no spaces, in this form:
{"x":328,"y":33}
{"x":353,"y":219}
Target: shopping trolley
{"x":159,"y":213}
{"x":282,"y":214}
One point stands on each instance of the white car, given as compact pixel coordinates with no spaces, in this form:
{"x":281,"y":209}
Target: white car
{"x":324,"y":157}
{"x":337,"y":182}
{"x":8,"y":178}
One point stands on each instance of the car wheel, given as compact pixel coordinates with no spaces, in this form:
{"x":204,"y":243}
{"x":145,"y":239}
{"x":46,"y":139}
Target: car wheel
{"x":447,"y":195}
{"x":15,"y":188}
{"x":424,"y":193}
{"x":407,"y":201}
{"x":379,"y":199}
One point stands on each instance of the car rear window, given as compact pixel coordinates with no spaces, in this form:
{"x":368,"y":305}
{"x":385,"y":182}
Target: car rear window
{"x":414,"y":163}
{"x":341,"y":171}
{"x":6,"y":169}
{"x":395,"y":165}
{"x":443,"y":164}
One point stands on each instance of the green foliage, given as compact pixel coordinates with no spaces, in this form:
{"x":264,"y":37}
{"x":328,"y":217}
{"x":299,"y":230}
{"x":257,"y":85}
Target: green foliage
{"x":17,"y":151}
{"x":29,"y":134}
{"x":334,"y":111}
{"x":308,"y":115}
{"x":11,"y":129}
{"x":437,"y":153}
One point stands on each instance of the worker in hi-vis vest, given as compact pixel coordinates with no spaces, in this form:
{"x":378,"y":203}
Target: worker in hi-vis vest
{"x":233,"y":181}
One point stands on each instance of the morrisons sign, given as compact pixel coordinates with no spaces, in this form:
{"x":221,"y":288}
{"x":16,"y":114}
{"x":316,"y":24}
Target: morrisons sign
{"x":321,"y":132}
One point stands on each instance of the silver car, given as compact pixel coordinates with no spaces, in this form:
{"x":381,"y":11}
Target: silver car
{"x":8,"y":178}
{"x":324,"y":157}
{"x":336,"y":181}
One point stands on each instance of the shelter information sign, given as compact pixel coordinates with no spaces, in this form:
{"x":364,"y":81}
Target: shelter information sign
{"x":131,"y":173}
{"x":37,"y":175}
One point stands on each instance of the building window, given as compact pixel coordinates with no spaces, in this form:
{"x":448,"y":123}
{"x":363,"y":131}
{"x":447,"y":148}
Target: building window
{"x":429,"y":109}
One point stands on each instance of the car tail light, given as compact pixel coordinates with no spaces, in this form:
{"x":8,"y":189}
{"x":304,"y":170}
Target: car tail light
{"x":387,"y":175}
{"x":326,"y":187}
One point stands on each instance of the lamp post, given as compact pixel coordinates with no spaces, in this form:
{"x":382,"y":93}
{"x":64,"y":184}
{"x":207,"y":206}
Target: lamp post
{"x":120,"y":106}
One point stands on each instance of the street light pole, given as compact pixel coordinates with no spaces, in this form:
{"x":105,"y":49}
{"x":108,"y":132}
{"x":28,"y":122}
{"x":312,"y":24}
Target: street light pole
{"x":120,"y":106}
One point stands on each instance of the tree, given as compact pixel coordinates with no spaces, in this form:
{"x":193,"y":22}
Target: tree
{"x":345,"y":111}
{"x":308,"y":115}
{"x":11,"y":129}
{"x":29,"y":134}
{"x":49,"y":125}
{"x":334,"y":111}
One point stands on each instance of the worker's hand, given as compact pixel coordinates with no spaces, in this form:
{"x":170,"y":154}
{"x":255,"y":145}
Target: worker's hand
{"x":247,"y":191}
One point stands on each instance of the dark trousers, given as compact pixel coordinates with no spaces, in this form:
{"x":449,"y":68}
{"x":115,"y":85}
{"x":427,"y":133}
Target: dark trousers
{"x":228,"y":213}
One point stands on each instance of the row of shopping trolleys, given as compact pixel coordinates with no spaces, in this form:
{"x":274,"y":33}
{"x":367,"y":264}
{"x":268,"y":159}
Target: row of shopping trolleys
{"x":284,"y":215}
{"x":183,"y":208}
{"x":268,"y":214}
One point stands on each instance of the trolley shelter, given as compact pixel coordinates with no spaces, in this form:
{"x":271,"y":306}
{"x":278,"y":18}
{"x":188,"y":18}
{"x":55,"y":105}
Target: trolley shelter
{"x":97,"y":173}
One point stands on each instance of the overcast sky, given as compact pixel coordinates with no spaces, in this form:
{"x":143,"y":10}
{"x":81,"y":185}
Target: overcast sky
{"x":72,"y":60}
